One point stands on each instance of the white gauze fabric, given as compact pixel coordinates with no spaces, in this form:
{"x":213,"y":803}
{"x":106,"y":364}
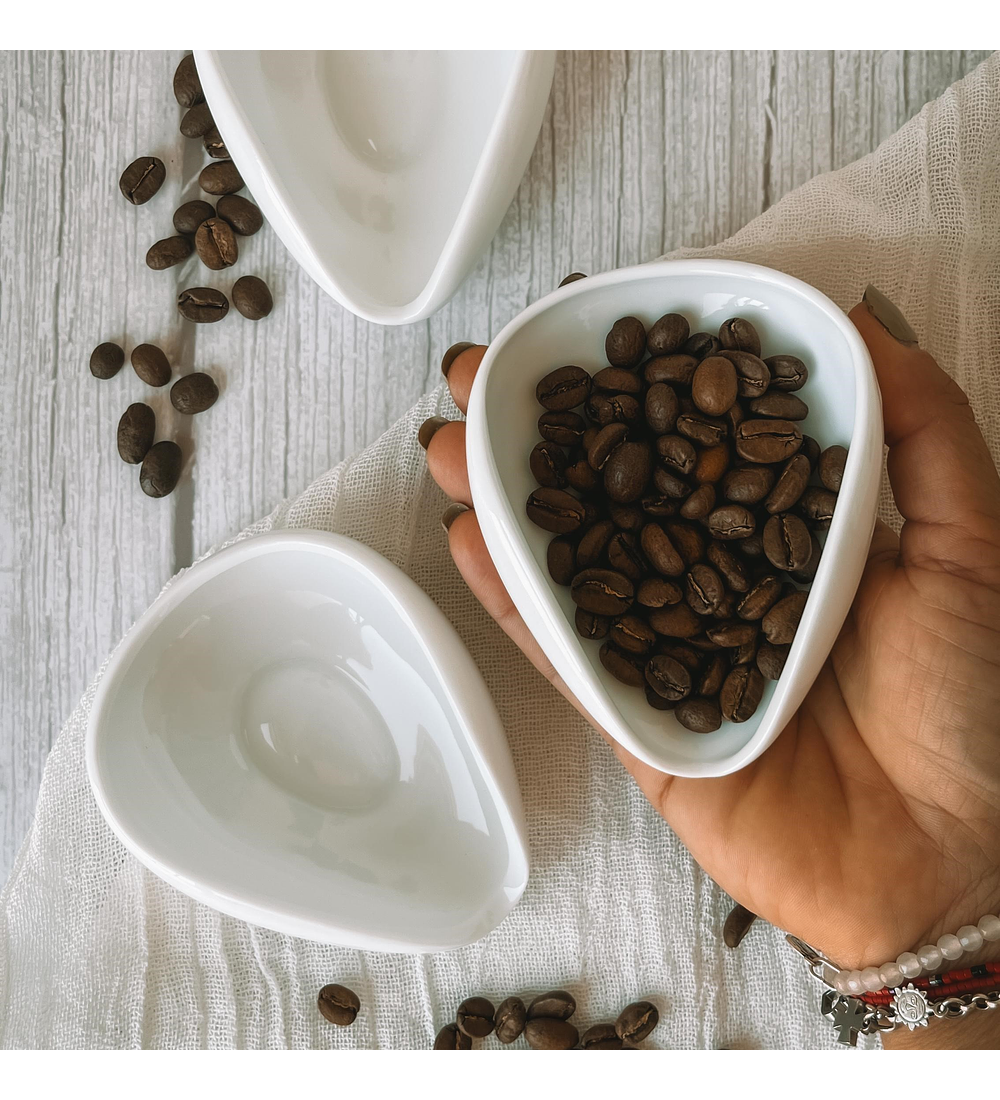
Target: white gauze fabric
{"x":96,"y":952}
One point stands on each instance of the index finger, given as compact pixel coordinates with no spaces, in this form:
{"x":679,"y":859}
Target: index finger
{"x":460,"y":370}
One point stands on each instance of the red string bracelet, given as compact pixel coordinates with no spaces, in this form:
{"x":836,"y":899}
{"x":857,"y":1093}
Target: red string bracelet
{"x":972,"y":979}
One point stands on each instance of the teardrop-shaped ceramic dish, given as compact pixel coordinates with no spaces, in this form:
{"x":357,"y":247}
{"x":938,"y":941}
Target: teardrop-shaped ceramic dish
{"x":295,"y":735}
{"x":385,"y":172}
{"x":569,"y":326}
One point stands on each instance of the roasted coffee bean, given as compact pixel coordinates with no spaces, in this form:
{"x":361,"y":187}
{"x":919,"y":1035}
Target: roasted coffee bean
{"x":688,"y":540}
{"x":166,"y":253}
{"x":564,"y":428}
{"x":701,"y":345}
{"x":731,"y":521}
{"x":780,"y":406}
{"x":744,"y":654}
{"x":450,"y":1038}
{"x":771,"y":659}
{"x":677,"y":452}
{"x":142,"y":179}
{"x":221,"y":178}
{"x":557,"y":1004}
{"x":617,"y":380}
{"x":669,"y":484}
{"x":663,"y":556}
{"x":549,"y":1033}
{"x":817,"y":505}
{"x":767,"y":440}
{"x":741,"y":693}
{"x":703,"y":589}
{"x":626,"y":342}
{"x":589,"y":625}
{"x":214,"y":145}
{"x":620,"y":407}
{"x":699,"y":503}
{"x":810,"y":448}
{"x":729,"y":566}
{"x":563,"y":389}
{"x":752,"y":374}
{"x":509,"y":1018}
{"x":636,"y":1022}
{"x":608,"y":439}
{"x":748,"y":484}
{"x":676,"y":370}
{"x":572,"y":278}
{"x":759,"y":600}
{"x":161,"y":469}
{"x":633,"y":635}
{"x":194,"y":393}
{"x":591,"y":547}
{"x":151,"y":364}
{"x":216,"y":244}
{"x":106,"y":360}
{"x":202,"y":304}
{"x":242,"y":214}
{"x":680,"y":651}
{"x":731,"y":633}
{"x":135,"y":432}
{"x":197,"y":121}
{"x":703,"y":643}
{"x":252,"y":297}
{"x":624,"y":556}
{"x":668,"y":677}
{"x":712,"y":464}
{"x":781,"y":622}
{"x":808,"y":571}
{"x":752,"y":546}
{"x":600,"y":1037}
{"x":667,"y":334}
{"x":713,"y":387}
{"x":676,"y":621}
{"x":698,"y":714}
{"x":187,"y":86}
{"x":627,"y":517}
{"x":707,"y":431}
{"x":602,"y":591}
{"x":661,"y":408}
{"x":189,"y":215}
{"x":555,"y":510}
{"x":831,"y":467}
{"x":338,"y":1004}
{"x":656,"y":504}
{"x":734,"y":417}
{"x":560,"y":557}
{"x":711,"y":680}
{"x":658,"y":592}
{"x":475,"y":1017}
{"x":589,"y":435}
{"x":738,"y":334}
{"x":626,"y":472}
{"x":737,"y":925}
{"x":788,"y":372}
{"x":547,"y":462}
{"x":786,"y":541}
{"x":790,"y":485}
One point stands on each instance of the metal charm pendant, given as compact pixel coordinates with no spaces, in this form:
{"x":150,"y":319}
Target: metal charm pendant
{"x":911,"y":1006}
{"x":848,"y":1019}
{"x":830,"y":1000}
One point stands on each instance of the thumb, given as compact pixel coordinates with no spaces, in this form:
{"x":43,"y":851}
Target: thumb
{"x":943,"y":478}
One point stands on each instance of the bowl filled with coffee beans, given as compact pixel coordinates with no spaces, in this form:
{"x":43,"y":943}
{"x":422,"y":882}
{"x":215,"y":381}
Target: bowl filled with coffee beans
{"x":676,"y":471}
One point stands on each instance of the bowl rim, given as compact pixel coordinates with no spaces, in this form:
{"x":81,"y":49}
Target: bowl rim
{"x":493,"y":504}
{"x":458,"y":674}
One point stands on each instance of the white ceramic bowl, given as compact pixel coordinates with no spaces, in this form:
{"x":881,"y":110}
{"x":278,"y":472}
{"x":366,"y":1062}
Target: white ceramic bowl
{"x":569,"y":326}
{"x":295,"y":735}
{"x":385,"y":173}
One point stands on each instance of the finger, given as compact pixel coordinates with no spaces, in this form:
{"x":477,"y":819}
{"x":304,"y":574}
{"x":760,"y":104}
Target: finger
{"x":446,"y":460}
{"x":460,"y":370}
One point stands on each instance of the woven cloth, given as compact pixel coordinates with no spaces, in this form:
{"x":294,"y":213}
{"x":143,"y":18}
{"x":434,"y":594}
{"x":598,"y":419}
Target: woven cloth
{"x":97,"y":952}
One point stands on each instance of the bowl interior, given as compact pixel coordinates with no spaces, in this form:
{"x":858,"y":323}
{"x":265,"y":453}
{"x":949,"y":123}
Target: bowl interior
{"x":571,"y":328}
{"x":285,"y":735}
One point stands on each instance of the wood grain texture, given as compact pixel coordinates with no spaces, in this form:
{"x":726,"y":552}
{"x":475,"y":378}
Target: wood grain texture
{"x":639,"y":153}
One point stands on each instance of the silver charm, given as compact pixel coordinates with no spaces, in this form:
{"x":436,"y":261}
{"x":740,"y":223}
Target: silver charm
{"x":911,"y":1006}
{"x":830,"y":1000}
{"x":849,"y":1017}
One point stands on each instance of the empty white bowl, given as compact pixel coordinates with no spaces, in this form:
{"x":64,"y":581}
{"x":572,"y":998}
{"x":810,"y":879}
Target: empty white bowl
{"x":385,"y":173}
{"x":569,"y":326}
{"x":295,"y":735}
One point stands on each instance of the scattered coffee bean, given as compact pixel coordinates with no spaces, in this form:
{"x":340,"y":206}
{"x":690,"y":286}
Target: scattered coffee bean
{"x":220,"y":178}
{"x":561,"y":560}
{"x":787,"y":372}
{"x":189,"y":215}
{"x":572,"y":278}
{"x":194,"y":393}
{"x":753,"y":377}
{"x":214,"y":145}
{"x":142,"y":179}
{"x":187,"y":86}
{"x":786,"y":542}
{"x":668,"y":677}
{"x":741,"y":693}
{"x":781,"y":622}
{"x":632,"y":635}
{"x":704,"y":589}
{"x":563,"y":389}
{"x":197,"y":121}
{"x":667,"y":334}
{"x":637,"y":1021}
{"x":731,"y":521}
{"x":713,"y":387}
{"x":135,"y":432}
{"x":780,"y":406}
{"x":252,"y":297}
{"x":555,"y":510}
{"x":202,"y":304}
{"x":601,"y":1037}
{"x":564,"y":428}
{"x":242,"y":214}
{"x":738,"y":334}
{"x":216,"y":244}
{"x":106,"y":360}
{"x":699,"y":715}
{"x":738,"y":923}
{"x":626,"y":472}
{"x":626,"y":667}
{"x":510,"y":1018}
{"x":450,"y":1038}
{"x":589,"y":625}
{"x":817,"y":505}
{"x":771,"y":659}
{"x":161,"y":469}
{"x":168,"y":252}
{"x":151,"y":364}
{"x":548,"y":465}
{"x":790,"y":485}
{"x":626,"y":342}
{"x":759,"y":600}
{"x":475,"y":1017}
{"x":556,"y":1004}
{"x":338,"y":1004}
{"x":767,"y":440}
{"x":831,"y":467}
{"x":748,"y":484}
{"x":550,"y":1033}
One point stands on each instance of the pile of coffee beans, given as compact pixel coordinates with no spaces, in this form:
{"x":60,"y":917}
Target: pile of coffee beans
{"x":685,"y":501}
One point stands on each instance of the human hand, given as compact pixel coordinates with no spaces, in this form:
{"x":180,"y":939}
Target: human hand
{"x":872,"y":825}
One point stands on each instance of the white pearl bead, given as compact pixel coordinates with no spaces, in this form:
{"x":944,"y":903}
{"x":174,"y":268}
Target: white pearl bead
{"x":891,"y":975}
{"x":840,"y":982}
{"x":951,"y":946}
{"x":871,"y":979}
{"x":990,"y":927}
{"x":930,"y":956}
{"x":970,"y":937}
{"x":854,"y":983}
{"x":909,"y":964}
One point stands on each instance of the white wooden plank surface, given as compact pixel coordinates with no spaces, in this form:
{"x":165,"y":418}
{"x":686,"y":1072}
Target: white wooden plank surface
{"x":639,"y":153}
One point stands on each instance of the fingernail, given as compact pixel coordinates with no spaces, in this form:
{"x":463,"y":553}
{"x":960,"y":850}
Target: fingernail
{"x":572,"y":278}
{"x":452,"y":354}
{"x":737,"y":925}
{"x":888,"y":316}
{"x":427,"y":430}
{"x":452,"y":512}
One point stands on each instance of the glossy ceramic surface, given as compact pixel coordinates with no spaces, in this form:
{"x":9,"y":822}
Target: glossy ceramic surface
{"x":569,"y":326}
{"x":294,"y":734}
{"x":385,"y":173}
